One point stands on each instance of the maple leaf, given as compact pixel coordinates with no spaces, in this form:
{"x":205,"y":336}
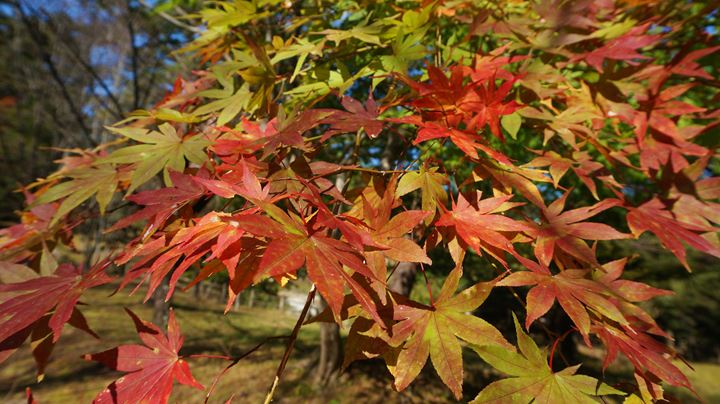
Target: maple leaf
{"x":465,"y":140}
{"x":628,"y":292}
{"x":158,"y":151}
{"x":302,"y":49}
{"x":622,"y":48}
{"x":688,"y":65}
{"x":99,"y":180}
{"x":581,"y":164}
{"x":241,"y":180}
{"x":508,"y":177}
{"x":33,"y":298}
{"x":486,"y":106}
{"x":534,"y":381}
{"x":216,"y":232}
{"x":20,"y":241}
{"x":645,"y":353}
{"x":475,"y":104}
{"x":160,"y":204}
{"x":39,"y":306}
{"x":357,"y":117}
{"x":363,"y":32}
{"x":434,"y":330}
{"x":268,"y":136}
{"x":227,"y":100}
{"x":571,"y":288}
{"x":653,"y":216}
{"x":566,"y":231}
{"x":151,"y":368}
{"x":480,"y":226}
{"x":324,"y":258}
{"x":389,"y":232}
{"x":431,"y":185}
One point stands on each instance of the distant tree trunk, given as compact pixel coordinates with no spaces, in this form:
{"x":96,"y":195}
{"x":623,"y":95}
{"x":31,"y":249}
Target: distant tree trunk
{"x":328,"y":366}
{"x":403,"y":278}
{"x":160,"y":306}
{"x":251,"y":298}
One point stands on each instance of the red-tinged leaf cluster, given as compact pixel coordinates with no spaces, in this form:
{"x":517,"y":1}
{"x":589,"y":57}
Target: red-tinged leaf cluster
{"x":325,"y":154}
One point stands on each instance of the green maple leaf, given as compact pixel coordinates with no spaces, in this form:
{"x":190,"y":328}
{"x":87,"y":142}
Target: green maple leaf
{"x":434,"y":331}
{"x":533,"y":378}
{"x":363,"y":32}
{"x":302,"y":49}
{"x":99,"y":180}
{"x":431,"y":185}
{"x":227,"y":101}
{"x":158,"y":151}
{"x":405,"y":49}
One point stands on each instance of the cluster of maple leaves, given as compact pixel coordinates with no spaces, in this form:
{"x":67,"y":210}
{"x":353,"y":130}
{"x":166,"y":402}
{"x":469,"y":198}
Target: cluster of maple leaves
{"x":222,"y":136}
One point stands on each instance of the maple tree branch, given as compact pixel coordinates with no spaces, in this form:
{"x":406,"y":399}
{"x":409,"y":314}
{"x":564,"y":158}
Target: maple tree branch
{"x":234,"y":360}
{"x":373,"y":171}
{"x":291,"y":344}
{"x":134,"y":56}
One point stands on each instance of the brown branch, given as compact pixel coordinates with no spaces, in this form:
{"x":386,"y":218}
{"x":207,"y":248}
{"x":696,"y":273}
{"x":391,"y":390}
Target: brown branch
{"x":291,"y":344}
{"x":234,"y":360}
{"x":134,"y":56}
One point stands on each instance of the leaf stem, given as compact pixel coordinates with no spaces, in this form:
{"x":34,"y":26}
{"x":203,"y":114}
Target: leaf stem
{"x":427,"y":284}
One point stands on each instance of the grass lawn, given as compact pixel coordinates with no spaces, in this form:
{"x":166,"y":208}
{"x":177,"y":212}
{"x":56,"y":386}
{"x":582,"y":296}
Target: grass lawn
{"x":69,"y":379}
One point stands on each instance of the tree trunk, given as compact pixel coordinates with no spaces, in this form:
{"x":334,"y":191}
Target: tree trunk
{"x":160,"y":306}
{"x":402,"y":280}
{"x":328,"y":366}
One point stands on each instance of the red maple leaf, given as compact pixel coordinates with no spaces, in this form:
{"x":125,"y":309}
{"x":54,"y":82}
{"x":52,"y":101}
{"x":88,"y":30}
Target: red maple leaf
{"x":654,"y":217}
{"x":566,"y":231}
{"x":215,"y":232}
{"x":239,"y":180}
{"x":160,"y":204}
{"x":152,"y":368}
{"x":39,"y":306}
{"x":466,"y":141}
{"x":30,"y":300}
{"x":581,"y":163}
{"x":475,"y":104}
{"x":644,"y":352}
{"x":324,"y":258}
{"x":481,"y":226}
{"x":622,"y":48}
{"x":357,"y":117}
{"x":571,"y":288}
{"x":628,"y":292}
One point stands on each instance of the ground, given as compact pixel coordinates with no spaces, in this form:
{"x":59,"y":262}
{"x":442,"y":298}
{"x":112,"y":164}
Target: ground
{"x":71,"y":379}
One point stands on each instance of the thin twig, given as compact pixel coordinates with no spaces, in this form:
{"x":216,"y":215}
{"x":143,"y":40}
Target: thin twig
{"x":290,"y":344}
{"x":234,"y":360}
